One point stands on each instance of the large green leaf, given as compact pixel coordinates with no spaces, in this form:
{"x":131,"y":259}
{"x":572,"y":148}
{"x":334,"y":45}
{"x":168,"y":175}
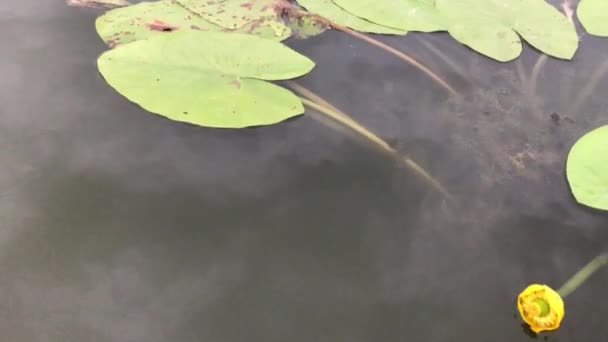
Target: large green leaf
{"x":493,"y":27}
{"x":406,"y":15}
{"x":211,"y":79}
{"x":587,"y":169}
{"x":147,"y":19}
{"x":593,"y":14}
{"x":328,"y":9}
{"x":234,"y":14}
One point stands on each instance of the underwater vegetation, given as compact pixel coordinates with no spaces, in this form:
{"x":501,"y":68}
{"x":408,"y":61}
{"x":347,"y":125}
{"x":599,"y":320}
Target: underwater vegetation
{"x":216,"y":63}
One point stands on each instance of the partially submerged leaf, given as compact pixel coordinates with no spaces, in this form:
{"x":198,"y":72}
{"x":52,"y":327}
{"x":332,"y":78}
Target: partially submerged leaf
{"x":587,"y":169}
{"x":403,"y":15}
{"x":98,"y":3}
{"x":328,"y":9}
{"x":234,"y":14}
{"x":147,"y":19}
{"x":305,"y":26}
{"x":207,"y":78}
{"x":593,"y":14}
{"x":493,"y":27}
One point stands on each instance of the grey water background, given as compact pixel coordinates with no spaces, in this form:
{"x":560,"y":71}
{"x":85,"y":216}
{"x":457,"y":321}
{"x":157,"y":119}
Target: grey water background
{"x":118,"y":225}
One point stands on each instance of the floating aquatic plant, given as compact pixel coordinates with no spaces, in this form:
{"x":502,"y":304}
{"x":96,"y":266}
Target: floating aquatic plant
{"x":587,"y":169}
{"x":235,"y":14}
{"x":206,"y":78}
{"x":542,"y":308}
{"x":330,"y":10}
{"x":593,"y":15}
{"x":210,"y":63}
{"x":407,"y":15}
{"x":330,"y":14}
{"x":212,"y":96}
{"x":494,"y":28}
{"x":153,"y":38}
{"x":399,"y":54}
{"x":148,"y":19}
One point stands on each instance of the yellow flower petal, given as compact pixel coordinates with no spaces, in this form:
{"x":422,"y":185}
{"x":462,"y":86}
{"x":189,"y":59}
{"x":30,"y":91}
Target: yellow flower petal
{"x":541,"y":307}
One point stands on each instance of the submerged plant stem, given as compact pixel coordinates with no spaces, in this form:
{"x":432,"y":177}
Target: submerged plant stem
{"x":317,"y":103}
{"x":531,"y":86}
{"x":588,"y":89}
{"x":402,"y":56}
{"x":447,"y":60}
{"x":582,"y":275}
{"x":314,"y":97}
{"x":519,"y":67}
{"x":538,"y":66}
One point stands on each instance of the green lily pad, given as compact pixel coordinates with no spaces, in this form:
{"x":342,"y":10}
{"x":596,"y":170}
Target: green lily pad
{"x":234,"y":14}
{"x":147,"y":19}
{"x":405,"y":15}
{"x":328,"y":9}
{"x":210,"y":79}
{"x":493,"y":27}
{"x":587,"y":169}
{"x":593,"y":14}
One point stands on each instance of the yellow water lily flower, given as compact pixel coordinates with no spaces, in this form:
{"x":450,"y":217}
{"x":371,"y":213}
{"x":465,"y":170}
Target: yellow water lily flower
{"x":541,"y":307}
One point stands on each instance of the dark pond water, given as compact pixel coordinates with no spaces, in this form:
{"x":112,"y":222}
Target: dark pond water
{"x":117,"y":225}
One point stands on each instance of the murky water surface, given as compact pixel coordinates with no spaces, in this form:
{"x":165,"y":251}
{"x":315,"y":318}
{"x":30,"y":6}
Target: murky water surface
{"x":118,"y":225}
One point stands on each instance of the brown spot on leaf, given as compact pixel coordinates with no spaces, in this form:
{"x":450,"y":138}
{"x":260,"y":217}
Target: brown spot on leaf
{"x":112,"y":43}
{"x":159,"y":25}
{"x":255,"y":25}
{"x":194,"y":27}
{"x":236,"y":83}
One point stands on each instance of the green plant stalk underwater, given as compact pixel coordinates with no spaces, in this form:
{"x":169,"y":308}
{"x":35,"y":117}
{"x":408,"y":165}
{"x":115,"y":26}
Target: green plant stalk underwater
{"x":583,"y":274}
{"x":317,"y":103}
